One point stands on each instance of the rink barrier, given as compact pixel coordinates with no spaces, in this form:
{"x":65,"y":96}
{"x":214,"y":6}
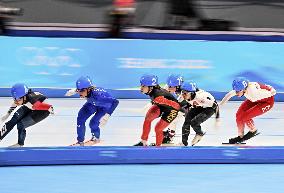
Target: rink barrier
{"x":159,"y":35}
{"x":141,"y":155}
{"x":120,"y":94}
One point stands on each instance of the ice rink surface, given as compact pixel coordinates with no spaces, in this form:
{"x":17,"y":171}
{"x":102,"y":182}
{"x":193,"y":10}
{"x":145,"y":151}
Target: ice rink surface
{"x":125,"y":125}
{"x":124,"y":129}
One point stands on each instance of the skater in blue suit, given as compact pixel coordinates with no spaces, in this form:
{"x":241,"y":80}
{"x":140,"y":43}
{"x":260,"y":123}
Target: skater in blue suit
{"x":99,"y":103}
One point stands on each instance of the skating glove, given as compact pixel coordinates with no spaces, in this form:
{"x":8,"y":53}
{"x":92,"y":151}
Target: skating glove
{"x":71,"y":92}
{"x":51,"y":110}
{"x":3,"y":118}
{"x":104,"y":120}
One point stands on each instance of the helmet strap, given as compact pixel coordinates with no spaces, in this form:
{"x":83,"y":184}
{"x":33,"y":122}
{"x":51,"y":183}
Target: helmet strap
{"x":24,"y":99}
{"x":244,"y":92}
{"x":89,"y":91}
{"x":150,"y":90}
{"x":192,"y":95}
{"x":178,"y":89}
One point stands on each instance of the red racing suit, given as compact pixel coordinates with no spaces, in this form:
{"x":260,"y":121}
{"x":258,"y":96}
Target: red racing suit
{"x":166,"y":106}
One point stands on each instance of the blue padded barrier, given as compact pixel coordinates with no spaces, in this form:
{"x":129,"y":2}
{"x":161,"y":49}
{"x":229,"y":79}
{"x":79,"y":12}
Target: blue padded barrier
{"x":140,"y":155}
{"x":148,"y":35}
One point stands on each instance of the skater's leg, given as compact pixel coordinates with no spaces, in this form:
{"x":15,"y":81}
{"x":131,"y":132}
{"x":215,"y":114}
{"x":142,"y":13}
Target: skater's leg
{"x":198,"y":120}
{"x":242,"y":110}
{"x":153,"y":113}
{"x":246,"y":112}
{"x":17,"y":116}
{"x":95,"y":122}
{"x":84,"y":113}
{"x":259,"y":108}
{"x":187,"y":122}
{"x":160,"y":126}
{"x":251,"y":125}
{"x":29,"y":120}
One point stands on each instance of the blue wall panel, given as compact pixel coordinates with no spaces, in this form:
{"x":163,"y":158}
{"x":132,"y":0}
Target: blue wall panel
{"x":55,"y":63}
{"x":139,"y":155}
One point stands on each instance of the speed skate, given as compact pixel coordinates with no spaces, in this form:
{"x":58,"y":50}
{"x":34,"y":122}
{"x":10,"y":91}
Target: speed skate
{"x":166,"y":144}
{"x":241,"y":142}
{"x":90,"y":142}
{"x":227,"y":143}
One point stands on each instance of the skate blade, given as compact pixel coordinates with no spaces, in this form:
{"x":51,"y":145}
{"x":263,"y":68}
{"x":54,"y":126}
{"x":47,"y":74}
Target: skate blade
{"x":15,"y":146}
{"x":195,"y":143}
{"x":256,"y":134}
{"x":226,"y":143}
{"x":166,"y":145}
{"x":75,"y":144}
{"x":169,"y":145}
{"x":91,"y":142}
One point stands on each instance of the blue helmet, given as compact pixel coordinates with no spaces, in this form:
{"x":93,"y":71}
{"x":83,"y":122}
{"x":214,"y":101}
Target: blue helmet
{"x":240,"y":83}
{"x":189,"y":86}
{"x":84,"y":82}
{"x":149,"y":80}
{"x":19,"y":90}
{"x":174,"y":80}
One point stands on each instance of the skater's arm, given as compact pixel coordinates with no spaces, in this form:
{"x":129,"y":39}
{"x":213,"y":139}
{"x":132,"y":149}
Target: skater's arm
{"x":204,"y":99}
{"x":184,"y":106}
{"x":273,"y":91}
{"x":41,"y":106}
{"x":108,"y":103}
{"x":227,"y":97}
{"x":109,"y":111}
{"x":258,"y":91}
{"x":217,"y":112}
{"x":105,"y":102}
{"x":113,"y":106}
{"x":270,"y":90}
{"x":161,"y":100}
{"x":12,"y":108}
{"x":71,"y":92}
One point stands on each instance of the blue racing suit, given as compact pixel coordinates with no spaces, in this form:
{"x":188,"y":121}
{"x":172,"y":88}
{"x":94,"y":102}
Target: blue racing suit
{"x":99,"y":102}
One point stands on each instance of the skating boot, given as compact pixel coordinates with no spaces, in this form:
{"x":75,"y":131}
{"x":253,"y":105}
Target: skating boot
{"x":138,"y":144}
{"x":168,"y":136}
{"x":250,"y":135}
{"x":196,"y":139}
{"x":92,"y":141}
{"x":235,"y":140}
{"x":78,"y":144}
{"x":141,"y":143}
{"x":185,"y":143}
{"x":16,"y":145}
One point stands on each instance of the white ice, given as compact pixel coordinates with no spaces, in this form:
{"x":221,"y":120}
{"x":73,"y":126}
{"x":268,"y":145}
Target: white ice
{"x":125,"y":126}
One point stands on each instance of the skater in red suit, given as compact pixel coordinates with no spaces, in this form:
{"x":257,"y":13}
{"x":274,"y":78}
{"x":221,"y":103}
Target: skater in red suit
{"x":164,"y":105}
{"x":259,"y":100}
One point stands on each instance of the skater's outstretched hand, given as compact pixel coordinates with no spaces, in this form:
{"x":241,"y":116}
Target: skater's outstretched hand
{"x":71,"y":92}
{"x":3,"y":118}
